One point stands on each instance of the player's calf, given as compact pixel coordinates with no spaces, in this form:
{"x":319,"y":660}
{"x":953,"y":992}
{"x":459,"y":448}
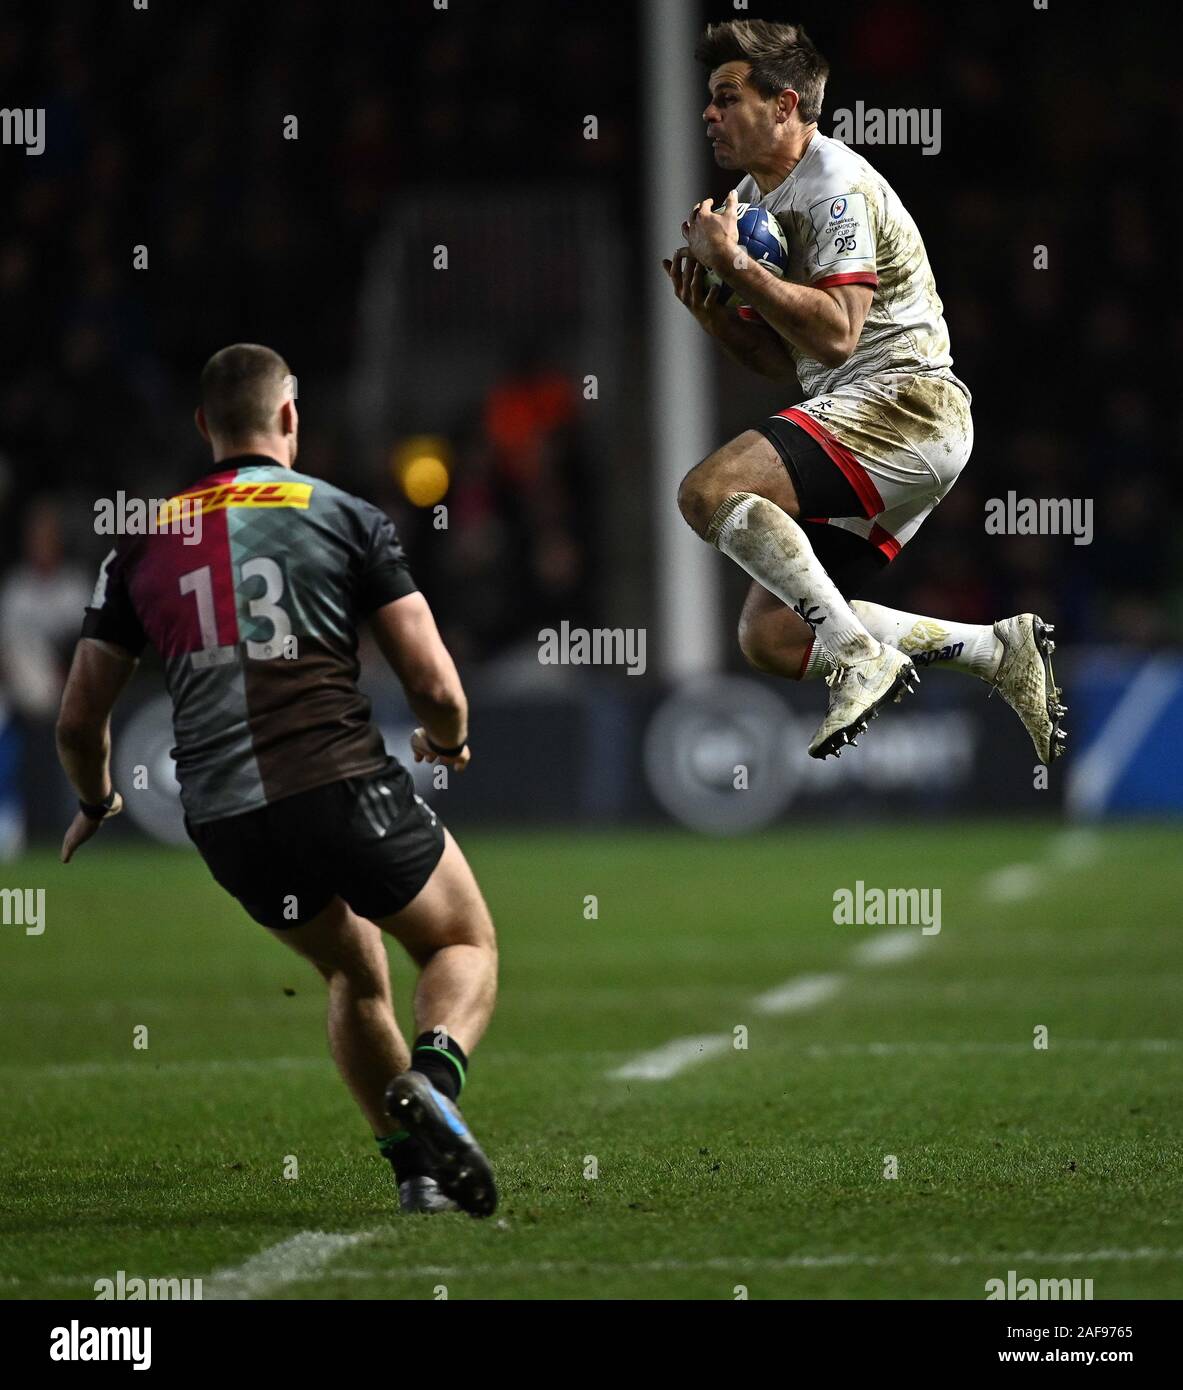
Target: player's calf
{"x":776,"y":643}
{"x":447,"y":931}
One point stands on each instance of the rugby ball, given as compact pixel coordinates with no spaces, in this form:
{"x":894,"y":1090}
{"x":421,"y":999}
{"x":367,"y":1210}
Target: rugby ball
{"x":762,"y":237}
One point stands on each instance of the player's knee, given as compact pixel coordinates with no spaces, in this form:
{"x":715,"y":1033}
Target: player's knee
{"x":476,"y":927}
{"x":689,"y":500}
{"x":477,"y":930}
{"x":356,"y":958}
{"x":362,"y":974}
{"x":470,"y":926}
{"x":700,"y":494}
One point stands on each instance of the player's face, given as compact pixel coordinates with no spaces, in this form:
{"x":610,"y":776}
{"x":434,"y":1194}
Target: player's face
{"x":740,"y":122}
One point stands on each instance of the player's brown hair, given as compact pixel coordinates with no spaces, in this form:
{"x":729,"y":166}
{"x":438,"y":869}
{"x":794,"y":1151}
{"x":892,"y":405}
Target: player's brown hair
{"x":239,"y":389}
{"x":781,"y":55}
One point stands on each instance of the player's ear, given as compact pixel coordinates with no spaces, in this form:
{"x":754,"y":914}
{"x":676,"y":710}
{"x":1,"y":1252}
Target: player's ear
{"x":288,"y":417}
{"x":199,"y":421}
{"x":786,"y":104}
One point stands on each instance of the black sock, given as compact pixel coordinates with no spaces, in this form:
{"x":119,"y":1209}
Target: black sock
{"x":441,"y":1059}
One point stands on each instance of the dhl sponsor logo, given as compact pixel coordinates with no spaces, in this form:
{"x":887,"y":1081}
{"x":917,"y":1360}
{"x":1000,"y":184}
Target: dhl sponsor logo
{"x":215,"y":499}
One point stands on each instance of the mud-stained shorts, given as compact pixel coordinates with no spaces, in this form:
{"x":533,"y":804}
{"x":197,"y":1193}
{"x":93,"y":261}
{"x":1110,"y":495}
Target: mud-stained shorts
{"x":876,"y":456}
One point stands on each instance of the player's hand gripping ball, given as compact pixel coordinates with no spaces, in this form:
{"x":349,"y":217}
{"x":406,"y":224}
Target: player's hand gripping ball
{"x":763,"y":240}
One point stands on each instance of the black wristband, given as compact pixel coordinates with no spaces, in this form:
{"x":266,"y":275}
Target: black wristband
{"x":442,"y":751}
{"x":97,"y":810}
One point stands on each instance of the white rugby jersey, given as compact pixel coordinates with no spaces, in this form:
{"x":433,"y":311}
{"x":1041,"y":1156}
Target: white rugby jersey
{"x":845,"y":225}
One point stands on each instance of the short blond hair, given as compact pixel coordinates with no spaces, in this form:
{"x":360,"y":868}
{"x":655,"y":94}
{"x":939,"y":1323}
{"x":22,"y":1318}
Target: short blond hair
{"x":241,"y":388}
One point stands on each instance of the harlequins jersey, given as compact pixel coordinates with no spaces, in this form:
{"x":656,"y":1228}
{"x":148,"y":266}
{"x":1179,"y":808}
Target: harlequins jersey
{"x":256,"y":623}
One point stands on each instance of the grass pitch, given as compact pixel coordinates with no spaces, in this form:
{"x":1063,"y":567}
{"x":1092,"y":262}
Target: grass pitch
{"x":762,"y":1167}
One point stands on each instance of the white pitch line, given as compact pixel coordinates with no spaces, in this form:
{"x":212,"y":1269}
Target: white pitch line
{"x":740,"y":1263}
{"x":1012,"y":883}
{"x":1009,"y":884}
{"x":888,"y":947}
{"x":298,"y":1258}
{"x":804,"y":992}
{"x":837,"y":1259}
{"x":674,"y":1057}
{"x":794,"y":996}
{"x":148,"y":1068}
{"x":1075,"y":849}
{"x":947,"y":1048}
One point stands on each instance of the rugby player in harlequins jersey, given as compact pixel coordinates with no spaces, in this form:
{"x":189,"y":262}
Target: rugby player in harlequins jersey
{"x":253,"y":599}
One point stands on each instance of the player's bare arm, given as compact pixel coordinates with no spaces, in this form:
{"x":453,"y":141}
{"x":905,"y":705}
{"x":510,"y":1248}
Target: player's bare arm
{"x":750,"y":343}
{"x":823,"y":323}
{"x":98,"y":675}
{"x":406,"y":632}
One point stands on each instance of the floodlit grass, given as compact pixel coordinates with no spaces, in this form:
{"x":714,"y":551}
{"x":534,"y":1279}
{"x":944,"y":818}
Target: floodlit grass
{"x":762,"y":1167}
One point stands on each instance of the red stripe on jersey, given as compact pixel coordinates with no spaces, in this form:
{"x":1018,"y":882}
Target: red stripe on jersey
{"x":854,"y":277}
{"x":884,"y":541}
{"x":856,"y":475}
{"x":170,"y":616}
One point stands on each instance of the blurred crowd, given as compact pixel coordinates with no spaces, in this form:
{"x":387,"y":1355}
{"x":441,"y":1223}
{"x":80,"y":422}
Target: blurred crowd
{"x":1068,"y":397}
{"x":162,"y":134}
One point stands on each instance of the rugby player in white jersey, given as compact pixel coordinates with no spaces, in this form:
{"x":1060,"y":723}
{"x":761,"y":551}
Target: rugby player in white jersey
{"x":813,"y":501}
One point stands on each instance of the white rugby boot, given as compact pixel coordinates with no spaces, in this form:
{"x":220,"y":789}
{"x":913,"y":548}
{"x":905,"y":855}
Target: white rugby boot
{"x":1024,"y":680}
{"x":857,"y":693}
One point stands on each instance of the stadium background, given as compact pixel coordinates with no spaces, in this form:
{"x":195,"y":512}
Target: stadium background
{"x":466,"y":128}
{"x":165,"y":133}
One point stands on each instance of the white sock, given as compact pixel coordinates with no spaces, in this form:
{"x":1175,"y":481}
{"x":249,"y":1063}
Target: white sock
{"x":969,"y":647}
{"x":818,"y":663}
{"x":767,"y":543}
